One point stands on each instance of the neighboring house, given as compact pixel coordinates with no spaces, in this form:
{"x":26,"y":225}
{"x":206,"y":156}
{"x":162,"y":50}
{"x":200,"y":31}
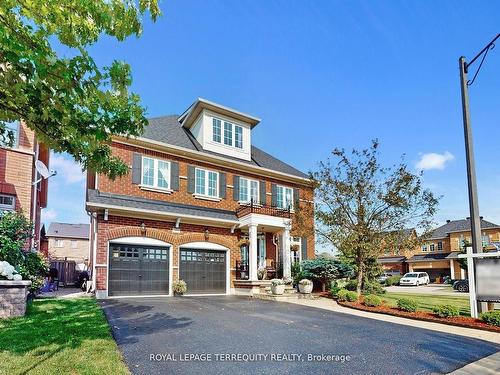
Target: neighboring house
{"x":438,"y":254}
{"x":201,"y":204}
{"x":17,"y":174}
{"x":69,"y":242}
{"x":394,"y":258}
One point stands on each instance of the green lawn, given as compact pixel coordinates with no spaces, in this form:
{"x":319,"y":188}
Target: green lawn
{"x":59,"y":336}
{"x":427,"y":301}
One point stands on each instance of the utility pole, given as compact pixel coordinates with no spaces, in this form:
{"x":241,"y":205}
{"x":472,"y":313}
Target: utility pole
{"x":477,"y":246}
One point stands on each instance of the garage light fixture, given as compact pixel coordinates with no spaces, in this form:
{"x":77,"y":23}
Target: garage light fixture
{"x":207,"y":234}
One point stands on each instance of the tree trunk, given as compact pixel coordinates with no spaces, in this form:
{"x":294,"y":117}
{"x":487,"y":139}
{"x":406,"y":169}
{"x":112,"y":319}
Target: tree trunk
{"x":323,"y":286}
{"x":360,"y":279}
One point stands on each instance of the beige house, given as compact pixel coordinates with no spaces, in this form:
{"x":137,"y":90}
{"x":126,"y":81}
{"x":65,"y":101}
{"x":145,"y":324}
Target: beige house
{"x":69,"y":241}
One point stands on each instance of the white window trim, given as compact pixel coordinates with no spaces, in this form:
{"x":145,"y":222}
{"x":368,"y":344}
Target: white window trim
{"x":234,"y":131}
{"x":215,"y":197}
{"x":232,"y":146}
{"x":249,"y":183}
{"x":58,"y":243}
{"x":214,"y":119}
{"x":5,"y":207}
{"x":156,"y":171}
{"x":292,"y":201}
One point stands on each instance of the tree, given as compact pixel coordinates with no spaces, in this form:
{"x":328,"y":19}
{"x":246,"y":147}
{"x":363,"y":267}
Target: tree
{"x":325,"y":270}
{"x":71,"y":103}
{"x":363,"y":207}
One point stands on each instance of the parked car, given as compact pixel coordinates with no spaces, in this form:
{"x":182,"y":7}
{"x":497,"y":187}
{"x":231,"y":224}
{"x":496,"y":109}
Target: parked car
{"x":383,"y":277}
{"x":461,"y":285}
{"x":415,"y":278}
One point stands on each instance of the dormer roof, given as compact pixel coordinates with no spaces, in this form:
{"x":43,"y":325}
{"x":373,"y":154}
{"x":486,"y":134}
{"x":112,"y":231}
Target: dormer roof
{"x":190,"y":115}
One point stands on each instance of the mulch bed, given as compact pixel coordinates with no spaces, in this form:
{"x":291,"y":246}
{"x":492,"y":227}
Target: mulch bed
{"x":460,"y":321}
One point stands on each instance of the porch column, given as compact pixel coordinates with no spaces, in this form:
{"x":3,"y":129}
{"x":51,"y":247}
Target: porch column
{"x":252,"y":253}
{"x":287,"y":263}
{"x":452,"y":268}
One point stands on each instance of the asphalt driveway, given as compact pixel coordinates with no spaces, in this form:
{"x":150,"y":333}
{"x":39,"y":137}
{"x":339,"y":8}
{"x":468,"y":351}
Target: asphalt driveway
{"x":198,"y":335}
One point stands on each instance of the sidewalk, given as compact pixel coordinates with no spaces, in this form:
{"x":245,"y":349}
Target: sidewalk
{"x":329,"y":304}
{"x":64,"y":292}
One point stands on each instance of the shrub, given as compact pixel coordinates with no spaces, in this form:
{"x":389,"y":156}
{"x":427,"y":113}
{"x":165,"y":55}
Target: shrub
{"x":351,"y":285}
{"x":392,"y":280}
{"x":370,"y":287}
{"x":305,"y":282}
{"x":491,"y":317}
{"x":445,"y":311}
{"x":407,"y":304}
{"x":179,"y":287}
{"x":351,"y":296}
{"x":372,"y":300}
{"x":342,"y":294}
{"x":276,"y":282}
{"x":325,"y":270}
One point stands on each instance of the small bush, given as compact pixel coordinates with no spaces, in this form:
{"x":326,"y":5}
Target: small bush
{"x":351,"y":285}
{"x":342,"y":294}
{"x":491,"y":317}
{"x":372,"y":300}
{"x":179,"y":287}
{"x":392,"y":280}
{"x":407,"y":304}
{"x":351,"y":296}
{"x":445,"y":311}
{"x":370,"y":287}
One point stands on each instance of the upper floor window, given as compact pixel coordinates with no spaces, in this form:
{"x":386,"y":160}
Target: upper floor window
{"x":73,"y":244}
{"x":431,"y":247}
{"x":284,"y":197}
{"x":249,"y":190}
{"x":440,"y":246}
{"x":238,"y":136}
{"x":13,"y":129}
{"x":58,"y":242}
{"x":206,"y":183}
{"x":155,"y":173}
{"x":228,"y":133}
{"x":216,"y":130}
{"x":424,"y":247}
{"x":7,"y":202}
{"x":485,"y":239}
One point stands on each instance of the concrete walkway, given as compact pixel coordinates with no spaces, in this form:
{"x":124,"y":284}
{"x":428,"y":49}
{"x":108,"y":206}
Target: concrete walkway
{"x":329,"y":304}
{"x":486,"y":366}
{"x":64,"y":292}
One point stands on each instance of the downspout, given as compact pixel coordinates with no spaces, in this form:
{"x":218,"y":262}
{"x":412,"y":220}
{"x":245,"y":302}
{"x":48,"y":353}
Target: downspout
{"x":34,"y":188}
{"x":93,"y":246}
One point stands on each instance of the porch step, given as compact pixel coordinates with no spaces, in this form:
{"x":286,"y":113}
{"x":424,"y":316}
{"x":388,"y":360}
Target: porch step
{"x":283,"y":297}
{"x":267,"y":289}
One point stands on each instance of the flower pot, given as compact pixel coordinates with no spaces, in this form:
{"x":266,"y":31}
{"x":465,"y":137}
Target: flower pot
{"x":305,"y":288}
{"x":277,"y":289}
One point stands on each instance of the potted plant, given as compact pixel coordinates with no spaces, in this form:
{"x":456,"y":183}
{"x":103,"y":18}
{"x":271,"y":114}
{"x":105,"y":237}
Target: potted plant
{"x":261,"y":273}
{"x":287,"y":280}
{"x":179,"y":287}
{"x":295,"y":247}
{"x":243,"y":242}
{"x":277,"y":286}
{"x":305,"y":286}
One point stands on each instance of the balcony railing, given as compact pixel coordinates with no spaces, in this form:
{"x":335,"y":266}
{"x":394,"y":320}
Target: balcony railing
{"x":252,"y":208}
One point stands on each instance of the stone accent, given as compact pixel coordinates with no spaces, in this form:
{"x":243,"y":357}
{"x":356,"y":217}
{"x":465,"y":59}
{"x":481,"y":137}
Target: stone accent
{"x":13,"y":298}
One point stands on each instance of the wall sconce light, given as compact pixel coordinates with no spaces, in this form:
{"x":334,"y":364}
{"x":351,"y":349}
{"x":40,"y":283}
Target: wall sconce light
{"x":207,"y":234}
{"x":143,"y":229}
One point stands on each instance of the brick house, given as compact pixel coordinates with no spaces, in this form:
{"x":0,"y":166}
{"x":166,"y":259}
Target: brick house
{"x":17,"y":174}
{"x":438,"y":253}
{"x":201,"y":204}
{"x":69,"y":242}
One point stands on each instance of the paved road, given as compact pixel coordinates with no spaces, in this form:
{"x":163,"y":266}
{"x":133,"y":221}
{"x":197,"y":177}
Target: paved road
{"x":232,"y":325}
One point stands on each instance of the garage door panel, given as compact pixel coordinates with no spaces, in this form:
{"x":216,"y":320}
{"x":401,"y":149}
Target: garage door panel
{"x":136,"y":270}
{"x":204,"y":271}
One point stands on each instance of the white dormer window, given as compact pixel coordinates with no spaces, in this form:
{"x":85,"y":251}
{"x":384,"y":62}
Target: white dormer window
{"x":228,"y":133}
{"x":238,"y":136}
{"x":216,"y":130}
{"x":155,"y":173}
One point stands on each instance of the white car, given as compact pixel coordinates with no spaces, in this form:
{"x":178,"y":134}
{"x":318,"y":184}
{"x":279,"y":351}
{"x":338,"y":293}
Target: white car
{"x":415,"y":278}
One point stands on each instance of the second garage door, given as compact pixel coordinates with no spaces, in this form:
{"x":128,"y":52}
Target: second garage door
{"x":204,"y":271}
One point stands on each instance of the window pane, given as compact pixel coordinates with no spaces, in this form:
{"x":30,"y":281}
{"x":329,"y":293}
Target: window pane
{"x":243,"y":190}
{"x":228,"y":133}
{"x":216,"y":130}
{"x":163,"y":174}
{"x":288,"y":198}
{"x":200,"y":181}
{"x":238,"y":136}
{"x":254,"y":191}
{"x":7,"y":203}
{"x":148,"y":171}
{"x":212,"y":184}
{"x":13,"y":129}
{"x":279,"y":197}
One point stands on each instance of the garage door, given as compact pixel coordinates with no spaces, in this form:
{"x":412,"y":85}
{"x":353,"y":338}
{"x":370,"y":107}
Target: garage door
{"x":434,"y":273}
{"x":136,"y":270}
{"x":204,"y":271}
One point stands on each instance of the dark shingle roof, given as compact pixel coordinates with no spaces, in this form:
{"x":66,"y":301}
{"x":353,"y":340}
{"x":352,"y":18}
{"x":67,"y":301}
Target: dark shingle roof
{"x":433,"y":257}
{"x":126,"y":201}
{"x":168,"y":130}
{"x":393,"y":259}
{"x":68,"y":230}
{"x":458,"y":226}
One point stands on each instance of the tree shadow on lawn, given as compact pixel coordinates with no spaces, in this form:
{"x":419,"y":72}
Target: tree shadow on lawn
{"x":51,"y":326}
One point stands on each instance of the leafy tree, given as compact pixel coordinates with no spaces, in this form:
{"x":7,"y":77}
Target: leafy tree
{"x":71,"y":103}
{"x":363,"y":208}
{"x":325,"y":270}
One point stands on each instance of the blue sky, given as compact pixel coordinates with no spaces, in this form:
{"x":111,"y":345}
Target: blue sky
{"x":324,"y":74}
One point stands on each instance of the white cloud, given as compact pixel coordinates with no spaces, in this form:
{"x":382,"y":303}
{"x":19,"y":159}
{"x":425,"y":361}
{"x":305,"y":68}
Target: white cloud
{"x":49,"y":214}
{"x":434,"y":161}
{"x":66,"y":168}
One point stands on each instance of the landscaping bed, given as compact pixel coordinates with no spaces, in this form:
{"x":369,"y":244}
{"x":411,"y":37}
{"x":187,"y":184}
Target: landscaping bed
{"x":460,"y":321}
{"x":59,"y":336}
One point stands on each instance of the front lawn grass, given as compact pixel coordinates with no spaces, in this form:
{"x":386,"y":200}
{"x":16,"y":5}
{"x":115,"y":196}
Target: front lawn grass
{"x":427,"y":301}
{"x":59,"y":336}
